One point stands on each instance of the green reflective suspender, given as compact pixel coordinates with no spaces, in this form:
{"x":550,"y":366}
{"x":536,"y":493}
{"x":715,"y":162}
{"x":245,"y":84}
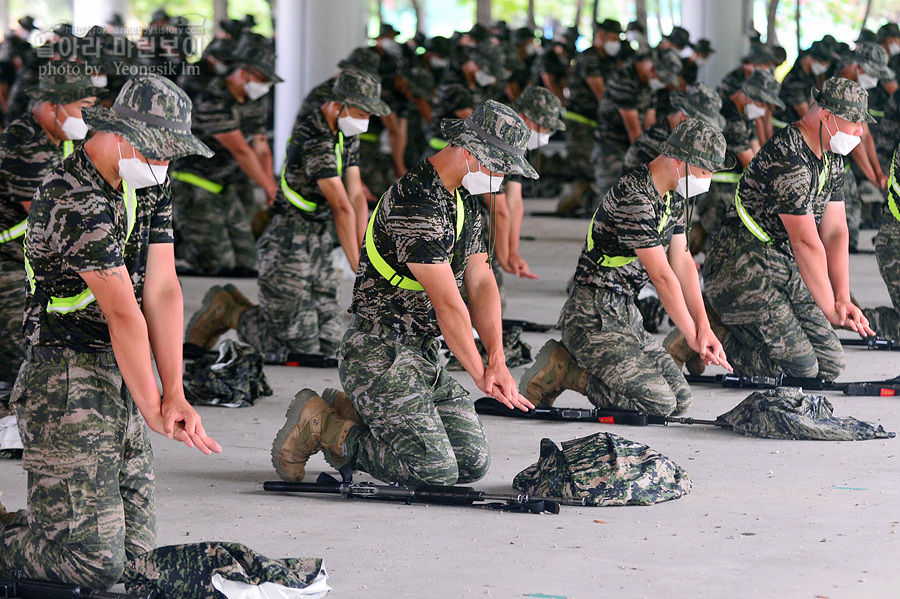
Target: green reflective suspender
{"x":752,"y":225}
{"x":726,"y":177}
{"x":779,"y":124}
{"x":369,"y":137}
{"x":437,"y":143}
{"x":617,"y":261}
{"x":578,"y":118}
{"x":893,"y":190}
{"x":197,"y":181}
{"x":878,"y":114}
{"x":17,"y":230}
{"x":64,"y":305}
{"x":385,"y":269}
{"x":295,"y":198}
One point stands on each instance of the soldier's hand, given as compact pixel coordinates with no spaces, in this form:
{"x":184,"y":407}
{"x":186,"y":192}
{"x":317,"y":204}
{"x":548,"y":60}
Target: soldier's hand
{"x":181,"y":422}
{"x":519,"y":268}
{"x":271,"y":192}
{"x":499,"y":384}
{"x":710,"y":349}
{"x":848,"y":315}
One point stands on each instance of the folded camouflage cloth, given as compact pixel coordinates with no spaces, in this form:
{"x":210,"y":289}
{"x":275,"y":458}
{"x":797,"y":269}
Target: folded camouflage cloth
{"x":789,"y":413}
{"x":606,"y":470}
{"x":231,"y":376}
{"x":196,"y":571}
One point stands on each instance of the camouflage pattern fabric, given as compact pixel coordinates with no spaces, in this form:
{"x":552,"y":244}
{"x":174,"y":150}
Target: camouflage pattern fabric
{"x":846,"y":99}
{"x":731,"y":82}
{"x":625,"y":91}
{"x":416,"y":222}
{"x":761,"y":86}
{"x":77,"y":223}
{"x":788,"y":413}
{"x":853,"y":207}
{"x":607,"y":162}
{"x":886,"y":131}
{"x":588,"y":65}
{"x":541,"y":106}
{"x":775,"y":326}
{"x":698,"y":143}
{"x":186,"y":571}
{"x":213,"y":228}
{"x":454,"y":94}
{"x":579,"y":148}
{"x":796,"y":88}
{"x":712,"y":205}
{"x":360,"y":89}
{"x":648,"y":146}
{"x":419,"y":426}
{"x":885,"y":320}
{"x":12,"y":310}
{"x":232,"y":377}
{"x":628,"y":218}
{"x":627,"y":367}
{"x":90,"y":473}
{"x":516,"y":351}
{"x":606,"y":470}
{"x":299,"y":309}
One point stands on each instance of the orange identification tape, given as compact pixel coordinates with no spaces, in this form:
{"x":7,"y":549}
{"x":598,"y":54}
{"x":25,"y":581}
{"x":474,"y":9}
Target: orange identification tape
{"x":888,"y":392}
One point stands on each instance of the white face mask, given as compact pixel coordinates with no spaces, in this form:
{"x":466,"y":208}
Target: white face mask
{"x":894,"y":49}
{"x":686,"y":51}
{"x":655,"y":84}
{"x":73,"y":128}
{"x":866,"y":81}
{"x":753,"y":112}
{"x":818,"y":68}
{"x":612,"y":48}
{"x":699,"y":61}
{"x":842,"y":143}
{"x":693,"y":185}
{"x":138,"y":174}
{"x":256,"y":90}
{"x":538,"y":140}
{"x":390,"y":46}
{"x":98,"y":80}
{"x":483,"y":79}
{"x":439,"y":63}
{"x":479,"y":182}
{"x":351,"y":126}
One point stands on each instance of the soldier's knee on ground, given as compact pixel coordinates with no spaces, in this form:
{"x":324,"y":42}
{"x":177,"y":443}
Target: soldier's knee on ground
{"x":98,"y":568}
{"x":434,"y":472}
{"x":475,"y":467}
{"x":683,"y":400}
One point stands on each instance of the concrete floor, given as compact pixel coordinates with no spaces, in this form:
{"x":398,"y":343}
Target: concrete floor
{"x":764,"y":519}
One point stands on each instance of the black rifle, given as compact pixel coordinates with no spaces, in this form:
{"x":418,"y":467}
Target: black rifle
{"x":886,"y":388}
{"x":527,"y":326}
{"x":444,"y":495}
{"x":873,"y":342}
{"x":491,"y":407}
{"x":20,"y":587}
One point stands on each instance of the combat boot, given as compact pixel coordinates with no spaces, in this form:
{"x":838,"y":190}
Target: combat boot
{"x":344,"y":409}
{"x":554,"y":370}
{"x":238,"y":297}
{"x":311,"y":426}
{"x":218,"y":313}
{"x":574,"y":202}
{"x":677,"y":346}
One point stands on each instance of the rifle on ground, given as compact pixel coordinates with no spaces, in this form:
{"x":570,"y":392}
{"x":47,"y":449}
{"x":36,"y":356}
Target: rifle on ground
{"x":873,"y":342}
{"x":491,"y":407}
{"x":886,"y":388}
{"x":443,"y":495}
{"x":527,"y":326}
{"x":20,"y":587}
{"x":192,"y":351}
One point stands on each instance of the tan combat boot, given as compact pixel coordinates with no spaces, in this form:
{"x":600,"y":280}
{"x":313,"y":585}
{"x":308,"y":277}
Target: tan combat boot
{"x":218,"y":313}
{"x":574,"y":202}
{"x":344,"y":409}
{"x":239,"y":298}
{"x":677,"y":347}
{"x":311,"y":426}
{"x":554,"y":370}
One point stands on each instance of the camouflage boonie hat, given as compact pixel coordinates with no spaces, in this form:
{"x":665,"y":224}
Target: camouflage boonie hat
{"x":421,"y":82}
{"x":667,"y":65}
{"x":496,"y":135}
{"x":604,"y":470}
{"x":154,"y":115}
{"x":699,"y":101}
{"x":360,"y":89}
{"x":257,"y":52}
{"x":490,"y":59}
{"x":64,"y":83}
{"x":761,"y":86}
{"x":846,"y":99}
{"x":541,"y":106}
{"x":699,"y":144}
{"x":679,"y":36}
{"x":362,"y":58}
{"x":887,"y":31}
{"x":873,"y":59}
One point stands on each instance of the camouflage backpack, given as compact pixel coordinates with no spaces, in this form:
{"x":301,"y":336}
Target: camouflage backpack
{"x":231,"y":376}
{"x":606,"y":470}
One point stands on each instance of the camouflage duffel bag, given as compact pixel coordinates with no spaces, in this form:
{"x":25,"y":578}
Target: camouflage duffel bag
{"x":231,"y":376}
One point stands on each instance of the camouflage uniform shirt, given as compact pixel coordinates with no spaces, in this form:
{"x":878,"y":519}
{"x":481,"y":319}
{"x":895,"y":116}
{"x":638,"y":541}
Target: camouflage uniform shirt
{"x":78,"y":223}
{"x":588,"y":64}
{"x":739,"y":131}
{"x":646,"y":147}
{"x":217,"y":111}
{"x":796,"y":88}
{"x":731,"y":82}
{"x":784,"y":178}
{"x":26,"y":156}
{"x":312,"y":154}
{"x":455,"y":94}
{"x":416,"y":222}
{"x":627,"y":219}
{"x":886,"y":132}
{"x":624,"y":91}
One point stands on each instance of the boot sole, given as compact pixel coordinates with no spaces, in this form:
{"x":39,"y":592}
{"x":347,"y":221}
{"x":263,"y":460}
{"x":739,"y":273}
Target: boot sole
{"x":540,"y":362}
{"x":204,"y":306}
{"x":292,"y":417}
{"x":328,"y":395}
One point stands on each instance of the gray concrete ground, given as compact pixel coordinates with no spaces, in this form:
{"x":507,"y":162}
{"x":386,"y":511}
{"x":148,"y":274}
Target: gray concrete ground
{"x":764,"y":519}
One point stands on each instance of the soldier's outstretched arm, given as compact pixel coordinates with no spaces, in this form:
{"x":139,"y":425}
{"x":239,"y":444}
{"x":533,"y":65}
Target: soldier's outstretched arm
{"x":249,"y":161}
{"x":344,"y":217}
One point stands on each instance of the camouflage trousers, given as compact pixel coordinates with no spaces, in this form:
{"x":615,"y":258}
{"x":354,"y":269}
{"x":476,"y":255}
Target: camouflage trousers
{"x":420,"y":427}
{"x":579,"y":146}
{"x":853,"y":206}
{"x":90,"y":472}
{"x":606,"y":160}
{"x":775,"y":326}
{"x":298,"y":289}
{"x":886,"y":319}
{"x":627,"y":367}
{"x":213,"y":228}
{"x":711,"y":206}
{"x":12,"y":309}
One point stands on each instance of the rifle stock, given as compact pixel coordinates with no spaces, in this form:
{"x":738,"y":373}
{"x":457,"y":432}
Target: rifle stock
{"x":20,"y":587}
